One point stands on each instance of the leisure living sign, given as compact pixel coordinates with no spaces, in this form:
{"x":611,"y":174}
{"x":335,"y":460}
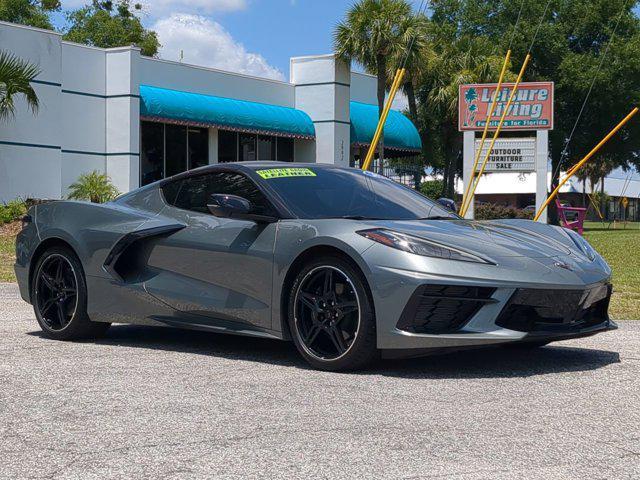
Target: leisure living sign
{"x":531,"y":109}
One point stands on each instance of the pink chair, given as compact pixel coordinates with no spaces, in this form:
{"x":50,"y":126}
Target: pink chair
{"x":576,"y":224}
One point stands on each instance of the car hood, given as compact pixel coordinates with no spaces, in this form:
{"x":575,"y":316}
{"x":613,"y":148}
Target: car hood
{"x":504,"y":238}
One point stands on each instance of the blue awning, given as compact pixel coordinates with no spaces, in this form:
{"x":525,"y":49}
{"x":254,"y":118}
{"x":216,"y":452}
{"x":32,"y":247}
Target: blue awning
{"x":173,"y":106}
{"x":399,"y":132}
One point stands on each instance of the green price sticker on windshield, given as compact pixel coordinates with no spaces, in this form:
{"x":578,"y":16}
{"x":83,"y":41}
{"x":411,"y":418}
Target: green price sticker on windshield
{"x":285,"y":173}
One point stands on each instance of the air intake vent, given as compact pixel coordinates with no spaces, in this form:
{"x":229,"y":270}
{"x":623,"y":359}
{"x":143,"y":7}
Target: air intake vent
{"x":560,"y":311}
{"x":438,"y":309}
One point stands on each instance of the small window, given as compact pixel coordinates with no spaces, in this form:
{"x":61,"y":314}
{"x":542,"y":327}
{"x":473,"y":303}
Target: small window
{"x":247,"y":147}
{"x":195,"y":192}
{"x":227,"y":146}
{"x":176,"y":148}
{"x":198,"y":143}
{"x":285,"y":149}
{"x":266,"y":147}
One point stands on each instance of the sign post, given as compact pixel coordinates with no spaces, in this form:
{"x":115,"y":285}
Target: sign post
{"x":531,"y":111}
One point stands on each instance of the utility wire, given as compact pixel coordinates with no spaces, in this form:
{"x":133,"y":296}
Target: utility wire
{"x":544,"y":14}
{"x":413,"y":39}
{"x":586,"y":99}
{"x":515,"y":25}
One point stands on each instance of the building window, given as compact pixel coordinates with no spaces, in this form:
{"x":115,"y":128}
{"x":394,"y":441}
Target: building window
{"x":285,"y":149}
{"x":167,"y":150}
{"x":175,"y":141}
{"x":234,"y":147}
{"x":151,"y":152}
{"x":198,"y":143}
{"x":227,"y":146}
{"x":247,"y":147}
{"x":266,"y":147}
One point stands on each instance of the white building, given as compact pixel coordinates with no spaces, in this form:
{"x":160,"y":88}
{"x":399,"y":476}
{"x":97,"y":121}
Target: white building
{"x":139,"y":119}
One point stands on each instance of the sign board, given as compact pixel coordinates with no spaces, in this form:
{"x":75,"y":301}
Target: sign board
{"x":531,"y":109}
{"x":509,"y":155}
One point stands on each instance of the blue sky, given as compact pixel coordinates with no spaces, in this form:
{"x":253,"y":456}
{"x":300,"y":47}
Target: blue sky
{"x":252,"y":36}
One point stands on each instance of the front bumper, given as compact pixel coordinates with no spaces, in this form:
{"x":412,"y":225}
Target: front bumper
{"x":481,"y":320}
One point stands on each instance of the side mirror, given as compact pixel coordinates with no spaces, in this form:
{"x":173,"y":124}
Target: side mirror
{"x":228,"y":206}
{"x":448,"y":204}
{"x":233,"y":206}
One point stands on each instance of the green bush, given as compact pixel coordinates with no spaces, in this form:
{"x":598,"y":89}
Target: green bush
{"x":12,"y":211}
{"x":95,"y":187}
{"x":491,"y":211}
{"x":432,"y":189}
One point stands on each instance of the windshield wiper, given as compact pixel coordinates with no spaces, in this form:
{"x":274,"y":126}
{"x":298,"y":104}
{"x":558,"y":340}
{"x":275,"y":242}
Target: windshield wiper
{"x":438,"y":217}
{"x":358,"y":217}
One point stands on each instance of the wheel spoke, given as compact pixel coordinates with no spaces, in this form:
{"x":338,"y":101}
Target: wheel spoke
{"x":338,"y":340}
{"x":328,"y":281}
{"x":47,"y":305}
{"x":48,"y":281}
{"x":59,"y":271}
{"x":309,"y":301}
{"x":61,"y":314}
{"x":347,"y":307}
{"x":312,"y":335}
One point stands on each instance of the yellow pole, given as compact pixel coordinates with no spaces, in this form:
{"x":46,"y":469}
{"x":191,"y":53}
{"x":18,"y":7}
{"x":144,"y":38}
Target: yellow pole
{"x":579,"y":165}
{"x":465,"y":207}
{"x":376,"y":136}
{"x":486,"y":127}
{"x":383,"y":118}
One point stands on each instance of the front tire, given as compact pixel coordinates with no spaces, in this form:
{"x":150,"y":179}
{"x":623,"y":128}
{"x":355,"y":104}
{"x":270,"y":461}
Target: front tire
{"x":59,"y":296}
{"x":331,"y":316}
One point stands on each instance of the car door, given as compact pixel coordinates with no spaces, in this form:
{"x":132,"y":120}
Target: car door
{"x":218,"y":269}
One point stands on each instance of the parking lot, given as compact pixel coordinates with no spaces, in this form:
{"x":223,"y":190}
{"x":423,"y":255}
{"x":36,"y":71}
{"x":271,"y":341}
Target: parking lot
{"x":162,"y":403}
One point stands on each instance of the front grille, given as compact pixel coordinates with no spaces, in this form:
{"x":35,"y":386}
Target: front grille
{"x":537,"y":310}
{"x":438,"y":309}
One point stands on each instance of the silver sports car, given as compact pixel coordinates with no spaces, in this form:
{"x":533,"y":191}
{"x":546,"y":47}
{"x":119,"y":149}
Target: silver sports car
{"x":348,"y":264}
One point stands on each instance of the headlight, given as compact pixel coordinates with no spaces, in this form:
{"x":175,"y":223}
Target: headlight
{"x":419,"y":246}
{"x":584,"y":247}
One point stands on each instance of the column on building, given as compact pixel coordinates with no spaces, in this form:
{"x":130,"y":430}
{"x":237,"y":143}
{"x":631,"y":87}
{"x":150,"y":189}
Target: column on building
{"x":123,"y":117}
{"x":322,"y":90}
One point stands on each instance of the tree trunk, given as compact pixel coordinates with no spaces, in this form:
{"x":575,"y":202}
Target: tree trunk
{"x":411,"y":98}
{"x":602,"y":202}
{"x":382,"y":90}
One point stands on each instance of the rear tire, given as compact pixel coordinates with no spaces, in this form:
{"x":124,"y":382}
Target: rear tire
{"x":59,"y":296}
{"x":331,"y":316}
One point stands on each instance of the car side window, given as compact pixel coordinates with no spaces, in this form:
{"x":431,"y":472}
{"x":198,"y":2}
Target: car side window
{"x":196,"y":191}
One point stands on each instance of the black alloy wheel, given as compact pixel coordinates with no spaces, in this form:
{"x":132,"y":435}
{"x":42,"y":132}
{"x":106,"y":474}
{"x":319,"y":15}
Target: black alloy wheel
{"x":59,"y":297}
{"x":331,"y":315}
{"x":56,"y":291}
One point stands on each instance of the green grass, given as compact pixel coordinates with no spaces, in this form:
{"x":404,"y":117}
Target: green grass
{"x":7,"y":258}
{"x":621,"y":249}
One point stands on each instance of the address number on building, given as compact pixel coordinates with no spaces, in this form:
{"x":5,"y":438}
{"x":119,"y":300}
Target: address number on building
{"x":509,"y":155}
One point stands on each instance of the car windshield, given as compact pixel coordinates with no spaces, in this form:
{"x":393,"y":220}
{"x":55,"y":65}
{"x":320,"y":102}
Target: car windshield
{"x":315,"y":193}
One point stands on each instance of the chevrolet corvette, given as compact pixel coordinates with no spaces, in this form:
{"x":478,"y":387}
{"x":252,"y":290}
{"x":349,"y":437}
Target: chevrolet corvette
{"x":347,"y":264}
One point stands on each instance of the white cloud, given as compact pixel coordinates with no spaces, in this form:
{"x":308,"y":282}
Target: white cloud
{"x":206,"y":43}
{"x":400,"y":101}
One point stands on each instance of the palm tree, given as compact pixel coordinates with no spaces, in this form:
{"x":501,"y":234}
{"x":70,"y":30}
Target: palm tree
{"x":458,"y":61}
{"x":15,"y":77}
{"x":372,"y":34}
{"x":415,"y":53}
{"x":94,"y":187}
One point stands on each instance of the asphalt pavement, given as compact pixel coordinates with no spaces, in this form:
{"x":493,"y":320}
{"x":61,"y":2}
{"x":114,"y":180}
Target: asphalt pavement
{"x":162,"y":403}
